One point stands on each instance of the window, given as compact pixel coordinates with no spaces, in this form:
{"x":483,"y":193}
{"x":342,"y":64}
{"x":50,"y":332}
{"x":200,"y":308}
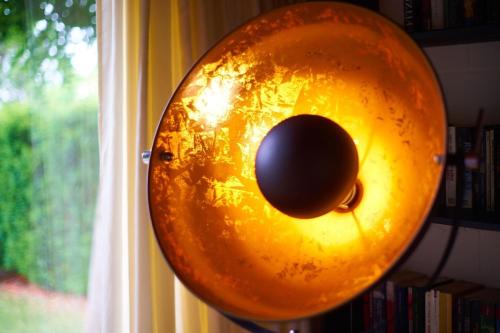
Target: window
{"x":48,"y":162}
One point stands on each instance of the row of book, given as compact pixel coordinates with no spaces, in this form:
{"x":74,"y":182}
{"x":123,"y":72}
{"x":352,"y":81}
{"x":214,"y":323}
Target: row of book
{"x":424,"y":15}
{"x":473,"y":190}
{"x":404,"y":305}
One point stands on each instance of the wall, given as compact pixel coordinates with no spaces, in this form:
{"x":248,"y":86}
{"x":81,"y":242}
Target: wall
{"x":470,"y":76}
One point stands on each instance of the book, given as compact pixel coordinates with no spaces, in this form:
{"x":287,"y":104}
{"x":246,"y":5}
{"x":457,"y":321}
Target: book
{"x":425,"y":15}
{"x":379,"y":309}
{"x":492,"y":167}
{"x":465,"y":187}
{"x":470,"y":12}
{"x":449,"y":313}
{"x":356,"y":315}
{"x":458,"y":314}
{"x":489,"y":170}
{"x":401,"y":294}
{"x":410,"y":15}
{"x":410,"y":310}
{"x":428,"y":311}
{"x":481,"y":177}
{"x":418,"y":309}
{"x":435,"y":312}
{"x":451,"y":171}
{"x":367,"y":312}
{"x":454,"y":14}
{"x":475,"y":316}
{"x":496,"y":170}
{"x":390,"y":308}
{"x":456,"y":290}
{"x":492,"y":11}
{"x":487,"y":318}
{"x":442,"y":304}
{"x":476,"y":300}
{"x":497,"y":318}
{"x":437,"y":14}
{"x":467,"y":316}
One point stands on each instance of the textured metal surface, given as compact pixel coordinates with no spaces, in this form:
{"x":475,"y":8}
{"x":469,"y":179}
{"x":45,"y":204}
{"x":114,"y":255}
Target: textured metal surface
{"x":223,"y":240}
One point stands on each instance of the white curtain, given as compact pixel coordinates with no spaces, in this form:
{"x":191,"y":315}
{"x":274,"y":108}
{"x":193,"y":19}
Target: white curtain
{"x":145,"y":48}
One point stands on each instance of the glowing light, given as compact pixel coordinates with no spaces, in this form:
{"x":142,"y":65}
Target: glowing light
{"x":219,"y":233}
{"x":214,"y":101}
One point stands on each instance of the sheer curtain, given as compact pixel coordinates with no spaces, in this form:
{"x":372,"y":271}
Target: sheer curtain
{"x":145,"y":47}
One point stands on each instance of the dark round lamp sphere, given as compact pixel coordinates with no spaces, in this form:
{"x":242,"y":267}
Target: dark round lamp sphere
{"x":306,"y":166}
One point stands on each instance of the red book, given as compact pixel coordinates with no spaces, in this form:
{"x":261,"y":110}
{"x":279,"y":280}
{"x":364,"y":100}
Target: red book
{"x":367,"y":311}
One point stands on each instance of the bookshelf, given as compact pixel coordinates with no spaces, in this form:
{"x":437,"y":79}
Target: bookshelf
{"x":453,"y":36}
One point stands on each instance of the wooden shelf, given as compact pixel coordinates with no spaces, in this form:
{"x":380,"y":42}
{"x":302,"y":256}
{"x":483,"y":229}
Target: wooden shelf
{"x":483,"y":224}
{"x":453,"y":36}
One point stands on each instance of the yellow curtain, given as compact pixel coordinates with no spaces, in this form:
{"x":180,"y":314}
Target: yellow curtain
{"x":145,"y":48}
{"x":164,"y":39}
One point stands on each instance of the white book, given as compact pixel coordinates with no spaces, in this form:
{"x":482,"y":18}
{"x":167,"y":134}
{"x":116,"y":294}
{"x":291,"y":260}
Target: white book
{"x":435,"y":304}
{"x":428,"y":308}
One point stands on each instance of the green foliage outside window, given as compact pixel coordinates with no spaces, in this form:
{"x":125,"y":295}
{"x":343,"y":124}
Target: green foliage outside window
{"x":48,"y":142}
{"x":49,"y":167}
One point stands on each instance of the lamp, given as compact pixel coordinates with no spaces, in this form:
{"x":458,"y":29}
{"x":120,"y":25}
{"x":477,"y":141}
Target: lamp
{"x":297,"y":161}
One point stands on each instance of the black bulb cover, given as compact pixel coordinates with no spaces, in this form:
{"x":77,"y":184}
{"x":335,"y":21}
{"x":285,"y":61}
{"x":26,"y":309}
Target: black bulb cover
{"x":306,"y":166}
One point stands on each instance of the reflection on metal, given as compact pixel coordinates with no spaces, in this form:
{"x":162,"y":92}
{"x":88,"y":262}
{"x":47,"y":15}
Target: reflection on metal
{"x":221,"y":237}
{"x":146,"y":156}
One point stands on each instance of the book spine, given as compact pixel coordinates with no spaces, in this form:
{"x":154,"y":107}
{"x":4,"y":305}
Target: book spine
{"x":404,"y":310}
{"x":487,"y":319}
{"x":410,"y":15}
{"x":458,"y":321}
{"x":475,"y":317}
{"x":497,"y":318}
{"x":496,"y":173}
{"x":379,"y":314}
{"x":410,"y":309}
{"x":428,"y":312}
{"x":492,"y":169}
{"x":366,"y":311}
{"x":435,"y":326}
{"x":390,"y":307}
{"x":467,"y":318}
{"x":419,"y":296}
{"x":449,"y":313}
{"x":481,"y":197}
{"x":451,"y":171}
{"x":468,"y":190}
{"x":442,"y":312}
{"x":488,"y":171}
{"x":454,"y":13}
{"x":437,"y":14}
{"x":425,"y":15}
{"x":492,"y":11}
{"x":469,"y":12}
{"x":401,"y":309}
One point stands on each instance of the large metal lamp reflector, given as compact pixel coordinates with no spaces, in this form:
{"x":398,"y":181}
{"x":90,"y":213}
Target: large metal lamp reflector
{"x":245,"y":254}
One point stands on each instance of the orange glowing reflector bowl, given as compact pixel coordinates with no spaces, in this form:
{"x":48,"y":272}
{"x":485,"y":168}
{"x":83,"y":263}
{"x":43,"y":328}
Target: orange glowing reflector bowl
{"x":220,"y":235}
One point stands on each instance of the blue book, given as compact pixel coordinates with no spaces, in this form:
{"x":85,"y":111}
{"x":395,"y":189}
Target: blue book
{"x":401,"y":295}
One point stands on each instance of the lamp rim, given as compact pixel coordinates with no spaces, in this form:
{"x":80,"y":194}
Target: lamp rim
{"x":406,"y":251}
